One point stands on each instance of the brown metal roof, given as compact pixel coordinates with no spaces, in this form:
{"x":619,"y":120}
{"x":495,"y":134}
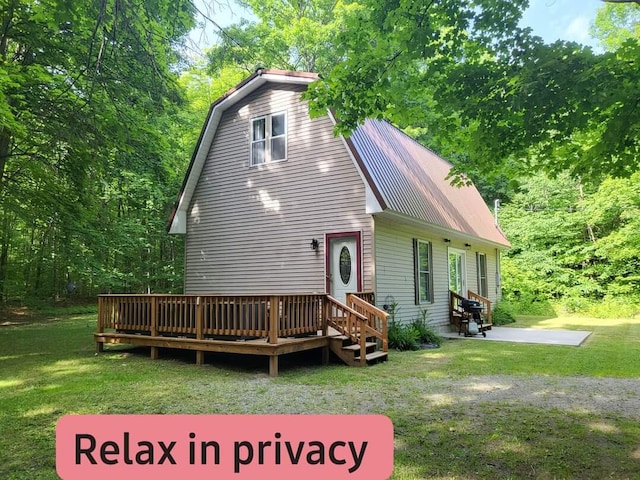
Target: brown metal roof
{"x":410,"y":179}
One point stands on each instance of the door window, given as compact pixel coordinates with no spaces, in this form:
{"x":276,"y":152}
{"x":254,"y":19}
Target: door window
{"x":345,"y":265}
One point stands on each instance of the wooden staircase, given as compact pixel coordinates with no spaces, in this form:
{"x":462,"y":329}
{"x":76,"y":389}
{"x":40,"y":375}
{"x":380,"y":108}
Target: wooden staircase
{"x":361,"y":331}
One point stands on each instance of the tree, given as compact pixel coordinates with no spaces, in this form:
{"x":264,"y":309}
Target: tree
{"x":622,"y":1}
{"x":83,"y":86}
{"x":289,"y":35}
{"x":388,"y":49}
{"x":614,"y":24}
{"x":572,"y":242}
{"x":471,"y":78}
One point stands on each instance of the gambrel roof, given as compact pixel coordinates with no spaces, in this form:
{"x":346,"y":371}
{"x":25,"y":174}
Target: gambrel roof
{"x":405,"y":178}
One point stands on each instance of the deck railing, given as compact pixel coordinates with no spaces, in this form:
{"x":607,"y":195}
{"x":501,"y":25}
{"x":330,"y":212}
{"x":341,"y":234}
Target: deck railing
{"x":207,"y":316}
{"x":349,"y":323}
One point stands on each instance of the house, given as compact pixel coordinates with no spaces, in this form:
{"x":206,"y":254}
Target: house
{"x":273,"y":202}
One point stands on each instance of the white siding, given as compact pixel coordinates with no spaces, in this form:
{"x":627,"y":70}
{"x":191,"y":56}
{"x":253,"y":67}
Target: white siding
{"x":249,"y":228}
{"x":395,"y":276}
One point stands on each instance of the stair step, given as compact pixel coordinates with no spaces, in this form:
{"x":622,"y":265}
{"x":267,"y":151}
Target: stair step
{"x":339,"y":337}
{"x":355,"y":347}
{"x":378,"y":355}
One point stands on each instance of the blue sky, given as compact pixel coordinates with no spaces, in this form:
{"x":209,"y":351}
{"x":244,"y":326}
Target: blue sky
{"x":562,"y":19}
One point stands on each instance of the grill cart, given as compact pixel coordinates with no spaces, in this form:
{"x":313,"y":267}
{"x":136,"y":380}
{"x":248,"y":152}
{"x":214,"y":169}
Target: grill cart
{"x":473,"y":310}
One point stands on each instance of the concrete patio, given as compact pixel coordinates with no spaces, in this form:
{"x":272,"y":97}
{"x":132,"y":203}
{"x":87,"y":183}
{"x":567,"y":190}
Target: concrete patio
{"x":528,"y":335}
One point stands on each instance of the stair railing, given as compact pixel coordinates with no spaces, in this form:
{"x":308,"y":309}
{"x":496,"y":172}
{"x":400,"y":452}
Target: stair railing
{"x":377,"y":325}
{"x":485,"y":302}
{"x":348,"y":322}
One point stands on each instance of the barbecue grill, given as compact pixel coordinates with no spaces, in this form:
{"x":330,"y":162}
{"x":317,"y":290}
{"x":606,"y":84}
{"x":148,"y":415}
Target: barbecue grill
{"x":473,"y":308}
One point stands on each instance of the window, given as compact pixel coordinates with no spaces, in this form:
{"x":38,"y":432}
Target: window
{"x":482,"y":274}
{"x":268,"y":139}
{"x":423,"y":277}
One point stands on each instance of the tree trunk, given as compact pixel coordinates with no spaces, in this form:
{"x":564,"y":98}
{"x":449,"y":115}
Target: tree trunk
{"x":4,"y":256}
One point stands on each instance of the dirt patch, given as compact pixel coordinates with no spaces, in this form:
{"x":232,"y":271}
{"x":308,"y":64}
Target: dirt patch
{"x":15,"y":316}
{"x":573,"y":394}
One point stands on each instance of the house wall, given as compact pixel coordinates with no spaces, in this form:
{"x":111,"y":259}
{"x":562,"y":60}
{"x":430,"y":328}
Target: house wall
{"x":249,"y":229}
{"x":395,"y":277}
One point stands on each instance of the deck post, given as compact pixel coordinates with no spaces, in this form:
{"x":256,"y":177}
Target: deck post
{"x":154,"y":325}
{"x":274,"y":317}
{"x":273,"y":366}
{"x":325,"y":316}
{"x":199,"y":317}
{"x":101,"y":313}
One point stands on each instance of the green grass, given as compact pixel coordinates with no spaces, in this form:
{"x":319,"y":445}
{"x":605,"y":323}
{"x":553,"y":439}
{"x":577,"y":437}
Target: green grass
{"x":49,"y":369}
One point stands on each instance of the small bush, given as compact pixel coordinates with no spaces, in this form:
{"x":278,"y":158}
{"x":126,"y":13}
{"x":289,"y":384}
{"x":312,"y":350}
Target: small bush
{"x":403,"y":337}
{"x":426,"y":333}
{"x":502,"y":314}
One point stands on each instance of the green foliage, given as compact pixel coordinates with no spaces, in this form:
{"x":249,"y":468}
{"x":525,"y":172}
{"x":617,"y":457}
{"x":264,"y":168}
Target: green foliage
{"x":617,"y":23}
{"x":426,"y":333}
{"x":485,"y":91}
{"x":392,"y":53}
{"x":87,"y":90}
{"x":502,"y":314}
{"x":409,"y":336}
{"x":572,"y":244}
{"x":287,"y":35}
{"x":402,"y":336}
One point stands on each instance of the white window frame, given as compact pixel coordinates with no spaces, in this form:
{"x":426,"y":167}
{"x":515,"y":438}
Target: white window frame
{"x":418,"y":272}
{"x":268,"y":138}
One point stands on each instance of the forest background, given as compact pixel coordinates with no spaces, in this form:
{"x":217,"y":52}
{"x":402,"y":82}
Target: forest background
{"x":102,"y":102}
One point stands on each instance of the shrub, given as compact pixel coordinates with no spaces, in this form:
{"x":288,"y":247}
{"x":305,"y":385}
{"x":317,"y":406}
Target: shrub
{"x":426,"y":333}
{"x":403,"y":337}
{"x":502,"y":314}
{"x":608,"y":307}
{"x":410,"y":336}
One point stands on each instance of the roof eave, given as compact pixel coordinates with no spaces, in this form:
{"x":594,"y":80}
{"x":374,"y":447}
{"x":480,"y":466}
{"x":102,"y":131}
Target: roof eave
{"x":444,"y":231}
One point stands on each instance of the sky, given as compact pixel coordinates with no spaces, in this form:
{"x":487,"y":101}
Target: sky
{"x":562,"y":19}
{"x":550,"y":19}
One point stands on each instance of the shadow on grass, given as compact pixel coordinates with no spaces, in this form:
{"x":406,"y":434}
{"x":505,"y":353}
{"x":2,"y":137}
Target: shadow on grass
{"x":230,"y":362}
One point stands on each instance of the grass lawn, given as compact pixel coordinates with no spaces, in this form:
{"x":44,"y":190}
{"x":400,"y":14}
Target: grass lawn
{"x":48,"y":369}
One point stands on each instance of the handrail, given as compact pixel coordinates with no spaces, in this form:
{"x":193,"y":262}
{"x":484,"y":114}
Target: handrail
{"x":377,"y":319}
{"x":455,"y":303}
{"x":350,"y":323}
{"x":485,"y":302}
{"x":368,"y":296}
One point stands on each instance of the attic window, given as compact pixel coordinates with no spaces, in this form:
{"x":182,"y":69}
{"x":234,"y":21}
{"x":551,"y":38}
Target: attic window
{"x":269,"y":139}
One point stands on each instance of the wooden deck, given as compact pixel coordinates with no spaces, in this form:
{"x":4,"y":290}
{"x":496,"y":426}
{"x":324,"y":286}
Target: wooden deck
{"x":268,"y":325}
